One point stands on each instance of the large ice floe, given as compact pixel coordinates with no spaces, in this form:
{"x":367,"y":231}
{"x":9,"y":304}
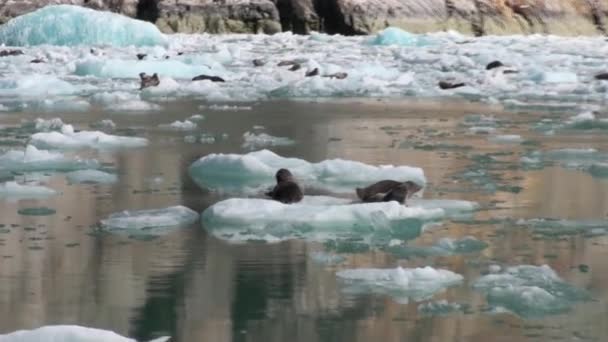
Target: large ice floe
{"x":32,"y":159}
{"x":316,"y":218}
{"x":68,"y":138}
{"x":529,"y":291}
{"x":255,"y":171}
{"x":76,"y":25}
{"x":68,"y":333}
{"x":149,"y":221}
{"x":402,"y":284}
{"x":14,"y":190}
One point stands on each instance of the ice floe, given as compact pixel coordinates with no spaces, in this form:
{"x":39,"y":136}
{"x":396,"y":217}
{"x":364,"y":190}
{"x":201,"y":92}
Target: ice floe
{"x":91,"y":176}
{"x":76,"y":25}
{"x":185,"y":125}
{"x":443,"y":247}
{"x":68,"y":138}
{"x":15,"y":190}
{"x":68,"y":333}
{"x":403,"y":284}
{"x":253,"y":141}
{"x":440,"y":308}
{"x":529,"y":291}
{"x":315,"y":218}
{"x":255,"y":171}
{"x":149,"y":221}
{"x":32,"y":159}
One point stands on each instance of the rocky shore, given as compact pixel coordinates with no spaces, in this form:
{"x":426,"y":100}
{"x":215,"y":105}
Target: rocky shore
{"x":349,"y":17}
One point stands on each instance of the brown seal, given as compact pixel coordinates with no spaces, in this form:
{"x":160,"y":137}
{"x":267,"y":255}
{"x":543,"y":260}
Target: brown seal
{"x":313,"y":72}
{"x":258,"y":63}
{"x":148,"y":81}
{"x":287,"y":190}
{"x":388,"y":190}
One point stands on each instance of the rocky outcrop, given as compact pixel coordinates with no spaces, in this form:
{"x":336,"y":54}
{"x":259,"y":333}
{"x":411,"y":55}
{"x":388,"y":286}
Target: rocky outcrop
{"x":350,"y":17}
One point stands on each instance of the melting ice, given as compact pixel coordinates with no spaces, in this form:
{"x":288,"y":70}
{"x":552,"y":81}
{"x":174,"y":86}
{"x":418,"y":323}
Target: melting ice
{"x":68,"y":333}
{"x":150,"y":221}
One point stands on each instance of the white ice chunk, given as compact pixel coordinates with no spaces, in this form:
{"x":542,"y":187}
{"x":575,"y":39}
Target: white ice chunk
{"x":33,"y":159}
{"x":16,"y":190}
{"x":91,"y":176}
{"x":506,"y":139}
{"x":69,"y":139}
{"x":152,"y":222}
{"x":185,"y":125}
{"x":76,"y":25}
{"x":68,"y":333}
{"x":255,"y":171}
{"x":256,"y":141}
{"x":48,"y":125}
{"x":403,"y":284}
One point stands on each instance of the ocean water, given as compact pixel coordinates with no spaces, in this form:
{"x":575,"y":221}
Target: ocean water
{"x":60,"y":267}
{"x":139,"y":212}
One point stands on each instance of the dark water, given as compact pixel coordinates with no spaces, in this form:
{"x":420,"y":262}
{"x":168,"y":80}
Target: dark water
{"x":54,"y":268}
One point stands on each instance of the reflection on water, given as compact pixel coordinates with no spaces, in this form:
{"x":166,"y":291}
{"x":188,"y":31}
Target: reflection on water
{"x":56,"y":269}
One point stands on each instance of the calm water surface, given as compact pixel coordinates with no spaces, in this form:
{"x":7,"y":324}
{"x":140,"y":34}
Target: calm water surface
{"x":55,"y":269}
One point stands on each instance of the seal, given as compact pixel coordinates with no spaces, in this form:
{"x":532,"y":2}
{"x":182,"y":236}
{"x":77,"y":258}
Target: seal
{"x":6,"y":53}
{"x":258,"y":62}
{"x":338,"y":75}
{"x":449,"y":85}
{"x":208,"y":78}
{"x":602,"y":76}
{"x":388,"y":190}
{"x":295,"y":67}
{"x":286,"y":191}
{"x":494,"y":65}
{"x":141,"y":56}
{"x":313,"y":72}
{"x":148,"y":81}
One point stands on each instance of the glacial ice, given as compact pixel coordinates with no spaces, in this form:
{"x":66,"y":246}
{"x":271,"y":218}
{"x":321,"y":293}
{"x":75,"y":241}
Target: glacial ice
{"x":506,"y":139}
{"x":255,"y":171}
{"x":42,"y":125}
{"x":118,"y":68}
{"x":35,"y":86}
{"x":403,"y":284}
{"x":123,"y":102}
{"x":91,"y":176}
{"x":14,"y":190}
{"x":397,"y":36}
{"x":443,"y":247}
{"x":33,"y":159}
{"x":253,"y":141}
{"x":529,"y":291}
{"x":149,"y":222}
{"x":67,"y":138}
{"x":68,"y":333}
{"x":315,"y":218}
{"x":76,"y":25}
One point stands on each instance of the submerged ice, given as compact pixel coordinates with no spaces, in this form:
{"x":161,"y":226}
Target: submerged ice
{"x":149,"y":221}
{"x":403,"y":284}
{"x":255,"y":171}
{"x":76,"y":25}
{"x":529,"y":291}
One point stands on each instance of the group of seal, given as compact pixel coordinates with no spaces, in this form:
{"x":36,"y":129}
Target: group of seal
{"x":288,"y":191}
{"x":445,"y":84}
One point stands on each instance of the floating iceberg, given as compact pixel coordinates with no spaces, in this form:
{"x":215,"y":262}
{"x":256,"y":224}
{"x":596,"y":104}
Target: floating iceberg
{"x":69,"y":139}
{"x":91,"y":176}
{"x":255,"y":171}
{"x":76,"y":25}
{"x":68,"y":333}
{"x":149,"y":222}
{"x":456,"y":208}
{"x":315,"y":218}
{"x":15,"y":190}
{"x":33,"y":159}
{"x":529,"y":291}
{"x":403,"y":284}
{"x":255,"y":141}
{"x":397,"y":36}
